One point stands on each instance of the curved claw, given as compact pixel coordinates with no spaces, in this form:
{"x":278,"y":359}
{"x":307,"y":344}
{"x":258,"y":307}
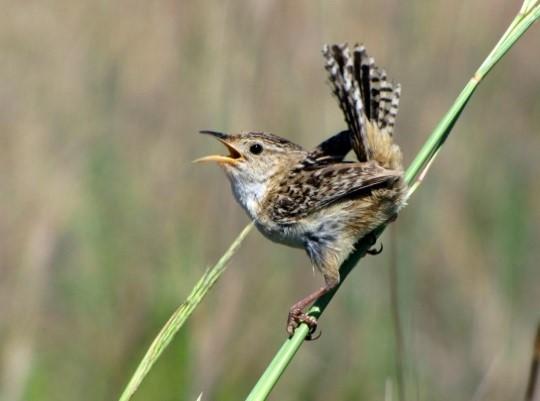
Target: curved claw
{"x":296,"y":317}
{"x":374,"y":251}
{"x":311,"y":337}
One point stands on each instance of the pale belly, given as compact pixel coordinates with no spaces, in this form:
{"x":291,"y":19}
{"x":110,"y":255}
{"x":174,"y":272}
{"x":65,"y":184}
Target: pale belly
{"x":338,"y":226}
{"x":323,"y":228}
{"x":291,"y":235}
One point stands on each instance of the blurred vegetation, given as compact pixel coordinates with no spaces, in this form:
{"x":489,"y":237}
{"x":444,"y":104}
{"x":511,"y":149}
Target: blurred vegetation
{"x":105,"y":225}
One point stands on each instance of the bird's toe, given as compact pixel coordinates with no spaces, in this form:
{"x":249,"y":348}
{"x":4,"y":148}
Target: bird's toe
{"x":297,"y":317}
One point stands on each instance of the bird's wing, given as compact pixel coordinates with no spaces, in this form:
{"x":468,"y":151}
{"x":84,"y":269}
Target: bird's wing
{"x":306,"y":191}
{"x":332,"y":150}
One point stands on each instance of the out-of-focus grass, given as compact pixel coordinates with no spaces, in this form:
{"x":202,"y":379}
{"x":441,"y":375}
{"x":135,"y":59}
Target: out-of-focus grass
{"x":105,"y":225}
{"x":180,"y":316}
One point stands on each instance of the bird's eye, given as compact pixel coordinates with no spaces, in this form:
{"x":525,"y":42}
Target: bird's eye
{"x":256,"y":148}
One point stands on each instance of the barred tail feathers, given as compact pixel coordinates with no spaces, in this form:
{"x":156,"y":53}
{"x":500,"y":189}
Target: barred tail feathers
{"x":345,"y":88}
{"x":369,"y":101}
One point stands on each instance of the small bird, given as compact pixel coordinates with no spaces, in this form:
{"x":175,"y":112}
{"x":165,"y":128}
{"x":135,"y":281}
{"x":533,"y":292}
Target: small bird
{"x":317,"y":200}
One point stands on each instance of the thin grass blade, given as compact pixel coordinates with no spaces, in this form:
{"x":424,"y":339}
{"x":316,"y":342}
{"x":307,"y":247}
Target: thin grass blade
{"x":179,"y":317}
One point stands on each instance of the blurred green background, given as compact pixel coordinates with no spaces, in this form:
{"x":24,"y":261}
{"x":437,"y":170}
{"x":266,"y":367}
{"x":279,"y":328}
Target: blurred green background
{"x":105,"y":224}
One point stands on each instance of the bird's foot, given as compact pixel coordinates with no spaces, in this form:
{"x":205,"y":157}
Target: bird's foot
{"x":373,"y":251}
{"x":297,"y":317}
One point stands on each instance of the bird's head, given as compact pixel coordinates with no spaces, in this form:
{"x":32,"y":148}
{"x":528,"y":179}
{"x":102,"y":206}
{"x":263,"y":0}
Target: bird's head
{"x":256,"y":162}
{"x":253,"y":156}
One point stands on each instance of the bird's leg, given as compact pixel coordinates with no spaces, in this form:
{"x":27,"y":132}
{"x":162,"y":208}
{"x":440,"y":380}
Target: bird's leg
{"x":297,"y":314}
{"x":373,"y":239}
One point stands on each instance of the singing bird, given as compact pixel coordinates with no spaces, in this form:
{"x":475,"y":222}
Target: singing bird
{"x":316,"y":199}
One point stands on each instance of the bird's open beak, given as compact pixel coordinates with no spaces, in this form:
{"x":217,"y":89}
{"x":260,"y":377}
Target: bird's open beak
{"x":232,"y":158}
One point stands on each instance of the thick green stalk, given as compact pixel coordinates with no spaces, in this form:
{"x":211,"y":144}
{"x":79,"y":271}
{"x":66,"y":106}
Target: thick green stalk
{"x":179,"y":316}
{"x":529,"y":13}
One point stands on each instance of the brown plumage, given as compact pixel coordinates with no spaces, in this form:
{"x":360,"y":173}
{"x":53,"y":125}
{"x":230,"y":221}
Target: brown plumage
{"x":317,"y":200}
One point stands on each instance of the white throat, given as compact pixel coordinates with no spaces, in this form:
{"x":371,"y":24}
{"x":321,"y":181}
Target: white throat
{"x":249,"y":195}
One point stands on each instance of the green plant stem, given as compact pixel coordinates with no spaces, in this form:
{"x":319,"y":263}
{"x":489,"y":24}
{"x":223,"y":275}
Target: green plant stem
{"x":287,"y":351}
{"x":180,"y":315}
{"x":426,"y":154}
{"x":422,"y":161}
